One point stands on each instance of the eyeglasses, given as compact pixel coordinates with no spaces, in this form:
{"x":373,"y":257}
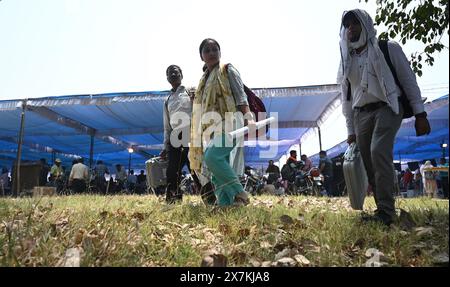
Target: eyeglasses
{"x":351,"y":21}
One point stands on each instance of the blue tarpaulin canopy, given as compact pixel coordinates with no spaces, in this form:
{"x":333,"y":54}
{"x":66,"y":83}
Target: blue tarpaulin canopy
{"x":67,"y":127}
{"x":408,"y":147}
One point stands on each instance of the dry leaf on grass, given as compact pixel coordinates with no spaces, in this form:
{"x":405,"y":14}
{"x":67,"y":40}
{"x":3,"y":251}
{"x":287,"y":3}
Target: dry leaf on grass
{"x":254,"y":263}
{"x":286,"y":220}
{"x":420,"y":231}
{"x":302,"y":260}
{"x":120,"y":213}
{"x":59,"y":225}
{"x":104,"y":214}
{"x":441,"y":259}
{"x":166,"y":208}
{"x":359,"y":243}
{"x":405,"y":220}
{"x":138,"y":215}
{"x":267,"y":203}
{"x":186,"y":225}
{"x":213,"y":258}
{"x":375,"y":259}
{"x":285,"y":262}
{"x":71,"y":258}
{"x":238,"y":256}
{"x":27,"y":244}
{"x":242,"y":233}
{"x":287,"y":252}
{"x":79,"y":236}
{"x":372,"y":252}
{"x":375,"y":263}
{"x":61,"y":222}
{"x":265,"y":245}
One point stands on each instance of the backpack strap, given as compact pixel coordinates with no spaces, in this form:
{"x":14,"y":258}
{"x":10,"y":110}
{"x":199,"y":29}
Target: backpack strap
{"x":349,"y":91}
{"x":384,"y":48}
{"x":246,"y":89}
{"x":166,"y":103}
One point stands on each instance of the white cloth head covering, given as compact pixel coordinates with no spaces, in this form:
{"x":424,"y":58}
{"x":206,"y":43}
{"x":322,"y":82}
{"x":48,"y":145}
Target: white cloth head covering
{"x":375,"y":60}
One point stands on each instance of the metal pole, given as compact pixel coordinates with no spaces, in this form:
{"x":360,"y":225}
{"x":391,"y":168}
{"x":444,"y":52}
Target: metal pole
{"x":129,"y":163}
{"x":19,"y":149}
{"x":320,"y":138}
{"x":443,"y":149}
{"x":300,"y":149}
{"x":91,"y":152}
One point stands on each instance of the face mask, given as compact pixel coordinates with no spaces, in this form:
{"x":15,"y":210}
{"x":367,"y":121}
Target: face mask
{"x":361,"y":42}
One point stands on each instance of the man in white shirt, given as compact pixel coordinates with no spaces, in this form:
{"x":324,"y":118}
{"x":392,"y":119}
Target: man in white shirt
{"x":79,"y":175}
{"x":371,"y":103}
{"x":176,"y":134}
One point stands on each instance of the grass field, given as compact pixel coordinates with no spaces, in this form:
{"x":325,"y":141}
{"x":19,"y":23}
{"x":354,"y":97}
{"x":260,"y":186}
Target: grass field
{"x":271,"y":231}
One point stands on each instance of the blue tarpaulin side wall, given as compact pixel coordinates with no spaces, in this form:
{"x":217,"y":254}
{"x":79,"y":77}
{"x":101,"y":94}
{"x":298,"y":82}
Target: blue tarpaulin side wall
{"x":64,"y":126}
{"x":408,"y":147}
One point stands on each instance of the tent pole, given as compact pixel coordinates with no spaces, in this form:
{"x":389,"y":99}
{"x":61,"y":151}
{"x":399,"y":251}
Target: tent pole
{"x":19,"y":149}
{"x":320,"y":138}
{"x":91,"y":152}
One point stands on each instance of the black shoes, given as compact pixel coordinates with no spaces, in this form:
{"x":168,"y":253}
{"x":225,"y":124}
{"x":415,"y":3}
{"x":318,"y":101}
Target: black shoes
{"x":378,"y":217}
{"x":173,"y":197}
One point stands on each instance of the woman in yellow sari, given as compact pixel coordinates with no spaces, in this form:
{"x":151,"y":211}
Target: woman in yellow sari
{"x":219,"y":105}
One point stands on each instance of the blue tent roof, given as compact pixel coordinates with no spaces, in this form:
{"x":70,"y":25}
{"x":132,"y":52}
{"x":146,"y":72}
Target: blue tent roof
{"x":64,"y":126}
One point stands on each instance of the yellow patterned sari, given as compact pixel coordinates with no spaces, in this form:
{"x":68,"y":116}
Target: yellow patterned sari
{"x":213,"y":95}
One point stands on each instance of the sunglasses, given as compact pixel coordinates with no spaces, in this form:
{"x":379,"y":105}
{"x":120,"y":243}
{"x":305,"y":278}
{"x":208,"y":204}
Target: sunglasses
{"x":350,"y":19}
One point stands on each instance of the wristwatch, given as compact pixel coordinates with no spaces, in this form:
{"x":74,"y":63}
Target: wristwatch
{"x":422,"y":115}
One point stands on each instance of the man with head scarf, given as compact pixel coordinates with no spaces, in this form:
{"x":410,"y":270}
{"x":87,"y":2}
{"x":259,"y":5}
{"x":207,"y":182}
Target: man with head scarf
{"x":371,"y":103}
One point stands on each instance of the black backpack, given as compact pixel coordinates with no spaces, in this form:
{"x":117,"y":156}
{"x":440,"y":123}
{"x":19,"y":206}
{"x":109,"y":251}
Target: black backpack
{"x":403,"y":99}
{"x":255,"y":104}
{"x":287,"y":172}
{"x":407,"y":109}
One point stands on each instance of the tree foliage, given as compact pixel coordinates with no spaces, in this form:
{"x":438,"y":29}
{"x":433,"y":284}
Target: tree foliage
{"x":421,"y":20}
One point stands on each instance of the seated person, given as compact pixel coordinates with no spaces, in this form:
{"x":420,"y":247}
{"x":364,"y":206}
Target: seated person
{"x":273,"y":171}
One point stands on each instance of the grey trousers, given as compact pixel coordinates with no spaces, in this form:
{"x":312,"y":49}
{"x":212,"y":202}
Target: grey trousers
{"x":375,"y":136}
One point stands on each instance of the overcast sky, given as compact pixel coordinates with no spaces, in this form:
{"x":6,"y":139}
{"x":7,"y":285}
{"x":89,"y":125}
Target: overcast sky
{"x":66,"y":47}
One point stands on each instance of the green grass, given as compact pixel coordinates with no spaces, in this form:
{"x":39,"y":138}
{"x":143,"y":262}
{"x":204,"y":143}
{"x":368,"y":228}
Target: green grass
{"x":144,"y":231}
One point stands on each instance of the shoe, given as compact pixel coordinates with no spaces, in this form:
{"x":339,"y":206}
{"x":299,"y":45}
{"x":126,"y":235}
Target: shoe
{"x":207,"y":194}
{"x":385,"y":220}
{"x":173,"y":199}
{"x":241,"y":199}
